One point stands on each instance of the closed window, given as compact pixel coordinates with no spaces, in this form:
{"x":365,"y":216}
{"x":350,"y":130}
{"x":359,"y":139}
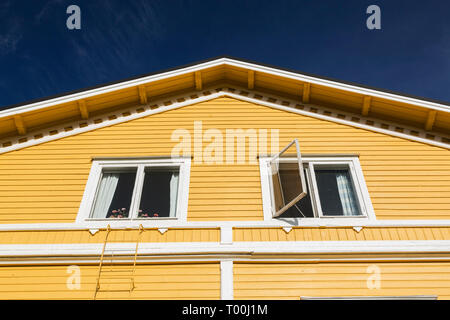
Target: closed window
{"x":136,"y":190}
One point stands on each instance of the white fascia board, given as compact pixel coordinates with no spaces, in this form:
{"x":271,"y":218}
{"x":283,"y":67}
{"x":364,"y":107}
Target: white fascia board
{"x":217,"y":62}
{"x":106,"y":89}
{"x":246,"y":247}
{"x":338,"y":85}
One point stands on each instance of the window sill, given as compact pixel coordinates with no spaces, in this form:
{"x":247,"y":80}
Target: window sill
{"x":159,"y":222}
{"x":322,"y":222}
{"x":134,"y":219}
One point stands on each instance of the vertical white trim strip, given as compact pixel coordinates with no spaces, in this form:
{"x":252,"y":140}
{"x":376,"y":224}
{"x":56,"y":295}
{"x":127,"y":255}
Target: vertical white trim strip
{"x":226,"y":280}
{"x":226,"y":235}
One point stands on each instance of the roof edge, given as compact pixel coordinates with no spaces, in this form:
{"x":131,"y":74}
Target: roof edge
{"x":224,"y":60}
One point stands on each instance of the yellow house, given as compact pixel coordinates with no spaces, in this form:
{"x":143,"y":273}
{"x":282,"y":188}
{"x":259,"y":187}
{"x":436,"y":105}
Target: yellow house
{"x":225,"y":179}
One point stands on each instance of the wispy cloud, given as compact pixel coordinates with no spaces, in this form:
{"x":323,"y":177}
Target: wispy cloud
{"x":44,"y":12}
{"x":121,"y":31}
{"x":10,"y":37}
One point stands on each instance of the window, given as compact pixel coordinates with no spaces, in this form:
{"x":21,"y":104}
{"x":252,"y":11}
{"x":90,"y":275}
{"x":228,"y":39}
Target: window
{"x":324,"y":187}
{"x":136,"y":190}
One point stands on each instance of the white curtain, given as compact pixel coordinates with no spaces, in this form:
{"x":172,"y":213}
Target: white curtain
{"x":173,"y":194}
{"x":105,"y":195}
{"x":349,"y":205}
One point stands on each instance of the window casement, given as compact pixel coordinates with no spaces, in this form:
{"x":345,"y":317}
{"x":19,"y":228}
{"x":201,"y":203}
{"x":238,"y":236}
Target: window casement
{"x":325,"y":187}
{"x":121,"y":191}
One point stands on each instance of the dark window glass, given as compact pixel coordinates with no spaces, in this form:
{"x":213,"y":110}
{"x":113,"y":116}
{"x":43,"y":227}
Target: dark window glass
{"x":336,"y":192}
{"x":159,"y":194}
{"x":303,"y":207}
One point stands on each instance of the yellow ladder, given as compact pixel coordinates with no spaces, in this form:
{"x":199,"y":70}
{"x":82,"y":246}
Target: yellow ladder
{"x":102,"y":258}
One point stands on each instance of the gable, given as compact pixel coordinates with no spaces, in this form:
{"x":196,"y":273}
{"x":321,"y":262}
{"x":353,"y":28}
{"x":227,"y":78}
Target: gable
{"x":420,"y":119}
{"x":45,"y":183}
{"x":134,"y":112}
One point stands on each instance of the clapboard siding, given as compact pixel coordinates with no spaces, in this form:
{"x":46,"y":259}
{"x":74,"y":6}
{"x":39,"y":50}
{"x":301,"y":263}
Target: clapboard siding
{"x":45,"y":183}
{"x":158,"y":281}
{"x":84,"y":236}
{"x":239,"y":234}
{"x":293,"y":280}
{"x":341,"y":234}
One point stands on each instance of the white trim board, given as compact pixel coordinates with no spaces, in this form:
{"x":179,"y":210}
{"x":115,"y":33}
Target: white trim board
{"x":245,"y":247}
{"x":219,"y":62}
{"x":226,"y":280}
{"x":300,"y":222}
{"x":214,"y":258}
{"x":280,"y":103}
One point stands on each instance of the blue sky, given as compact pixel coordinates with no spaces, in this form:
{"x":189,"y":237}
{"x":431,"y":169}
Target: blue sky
{"x":40,"y":57}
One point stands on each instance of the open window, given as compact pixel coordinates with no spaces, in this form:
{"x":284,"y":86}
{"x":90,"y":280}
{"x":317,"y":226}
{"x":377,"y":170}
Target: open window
{"x":314,"y":187}
{"x":287,"y":180}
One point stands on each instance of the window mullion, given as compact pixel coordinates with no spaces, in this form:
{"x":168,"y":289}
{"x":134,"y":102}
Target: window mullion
{"x":357,"y":185}
{"x":315,"y":190}
{"x":134,"y":207}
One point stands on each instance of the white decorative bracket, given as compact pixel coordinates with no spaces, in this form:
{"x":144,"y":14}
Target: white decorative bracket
{"x":93,"y":231}
{"x":162,"y":230}
{"x":357,"y":229}
{"x":287,"y":229}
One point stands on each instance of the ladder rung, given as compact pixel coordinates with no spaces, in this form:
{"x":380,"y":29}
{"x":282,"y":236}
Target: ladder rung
{"x":114,"y":290}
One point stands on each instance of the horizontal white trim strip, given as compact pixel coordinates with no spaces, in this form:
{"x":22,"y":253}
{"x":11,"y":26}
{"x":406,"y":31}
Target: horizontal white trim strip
{"x":214,"y":258}
{"x":253,"y":248}
{"x":307,"y":222}
{"x":218,"y":62}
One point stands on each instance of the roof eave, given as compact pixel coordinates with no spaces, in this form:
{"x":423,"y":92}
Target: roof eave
{"x":232,"y":62}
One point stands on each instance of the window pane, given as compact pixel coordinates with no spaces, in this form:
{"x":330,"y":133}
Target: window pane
{"x":303,"y":207}
{"x":286,"y":183}
{"x":336,"y":192}
{"x":114,"y":194}
{"x":159,"y":194}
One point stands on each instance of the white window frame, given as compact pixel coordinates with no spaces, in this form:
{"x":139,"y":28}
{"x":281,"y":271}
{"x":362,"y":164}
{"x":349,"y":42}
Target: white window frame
{"x":299,"y":162}
{"x":87,"y":203}
{"x":357,"y":177}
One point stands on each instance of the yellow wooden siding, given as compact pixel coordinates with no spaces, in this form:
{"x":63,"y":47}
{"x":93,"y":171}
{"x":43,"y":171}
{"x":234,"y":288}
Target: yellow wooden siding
{"x":292,"y":280}
{"x":239,"y":234}
{"x":84,"y":236}
{"x":341,"y":234}
{"x":45,"y":183}
{"x":152,"y":281}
